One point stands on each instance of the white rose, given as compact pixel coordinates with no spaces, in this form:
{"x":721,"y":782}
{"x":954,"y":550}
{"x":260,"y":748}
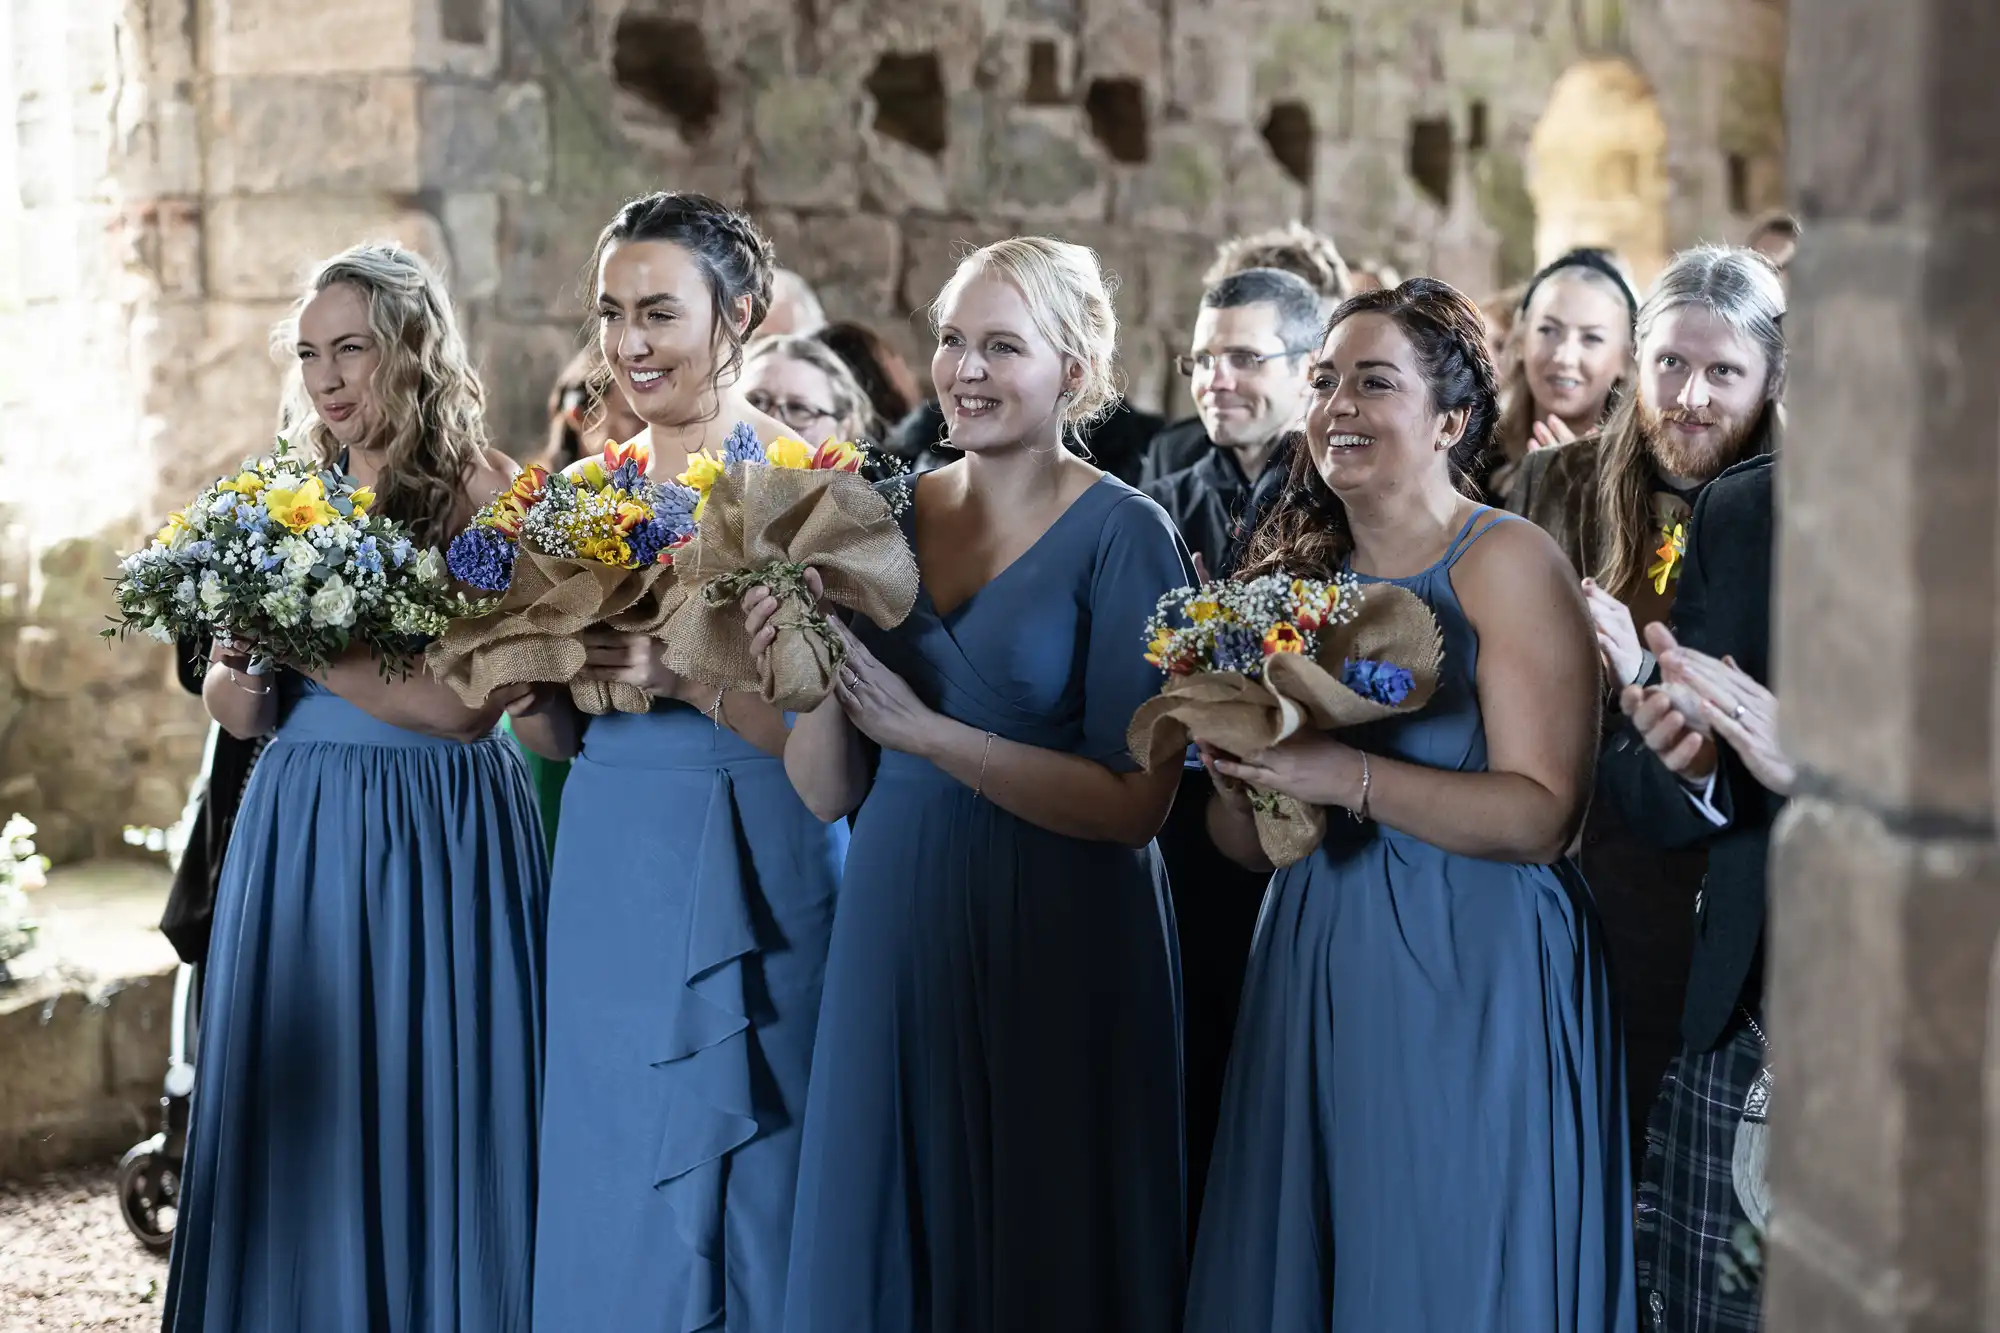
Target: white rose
{"x":299,"y":556}
{"x":212,"y":594}
{"x":430,"y":565}
{"x":333,"y":604}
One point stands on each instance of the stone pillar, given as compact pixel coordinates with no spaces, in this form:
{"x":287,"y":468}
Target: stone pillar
{"x":1886,"y":878}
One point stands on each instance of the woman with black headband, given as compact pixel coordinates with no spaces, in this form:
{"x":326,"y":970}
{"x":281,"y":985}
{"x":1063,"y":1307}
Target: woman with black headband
{"x":1573,"y":354}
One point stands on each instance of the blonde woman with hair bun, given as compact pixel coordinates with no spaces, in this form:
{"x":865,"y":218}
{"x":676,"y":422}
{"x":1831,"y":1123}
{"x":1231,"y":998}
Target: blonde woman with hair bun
{"x":362,"y":1152}
{"x":993,"y":1128}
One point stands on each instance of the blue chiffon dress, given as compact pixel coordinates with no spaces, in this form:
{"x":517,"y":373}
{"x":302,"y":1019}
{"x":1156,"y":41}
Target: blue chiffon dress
{"x":1423,"y":1127}
{"x":361,"y":1154}
{"x":690,"y":907}
{"x":993,"y":1134}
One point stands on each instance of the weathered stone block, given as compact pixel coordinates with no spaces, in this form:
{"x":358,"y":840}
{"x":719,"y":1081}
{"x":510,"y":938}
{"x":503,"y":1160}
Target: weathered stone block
{"x":896,"y":178}
{"x":806,"y":143}
{"x":1211,"y":74}
{"x":1174,"y":265}
{"x":472,"y":234}
{"x":1261,"y":193}
{"x":544,"y":248}
{"x":851,"y":259}
{"x":1882,"y":951}
{"x":1899,"y":704}
{"x":518,"y":363}
{"x":1890,"y":110}
{"x":1045,"y":168}
{"x":271,"y":37}
{"x":262,"y":247}
{"x":363,"y":131}
{"x":480,"y":138}
{"x":933,"y":248}
{"x":1185,"y":186}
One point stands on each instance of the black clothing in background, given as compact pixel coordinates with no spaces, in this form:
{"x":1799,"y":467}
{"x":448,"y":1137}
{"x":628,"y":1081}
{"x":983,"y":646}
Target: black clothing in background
{"x":1174,"y":448}
{"x":1723,"y":607}
{"x":190,"y":910}
{"x":1206,"y":502}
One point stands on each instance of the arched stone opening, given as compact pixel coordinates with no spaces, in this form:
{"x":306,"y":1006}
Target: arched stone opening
{"x":1597,"y":167}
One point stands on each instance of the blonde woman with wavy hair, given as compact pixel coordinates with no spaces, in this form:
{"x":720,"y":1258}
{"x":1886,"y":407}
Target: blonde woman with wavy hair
{"x":993,"y":1127}
{"x":363,"y":1147}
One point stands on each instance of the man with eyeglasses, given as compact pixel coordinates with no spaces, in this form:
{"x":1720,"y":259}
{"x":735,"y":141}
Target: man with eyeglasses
{"x":1246,"y":370}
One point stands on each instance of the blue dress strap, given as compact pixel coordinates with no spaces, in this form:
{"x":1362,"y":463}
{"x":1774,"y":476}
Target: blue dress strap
{"x":1472,"y":532}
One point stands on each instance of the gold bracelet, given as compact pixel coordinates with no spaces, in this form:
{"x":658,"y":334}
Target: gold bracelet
{"x":236,"y":679}
{"x":979,"y":787}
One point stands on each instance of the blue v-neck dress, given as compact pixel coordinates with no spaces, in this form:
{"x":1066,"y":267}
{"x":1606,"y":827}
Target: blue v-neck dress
{"x":993,"y":1130}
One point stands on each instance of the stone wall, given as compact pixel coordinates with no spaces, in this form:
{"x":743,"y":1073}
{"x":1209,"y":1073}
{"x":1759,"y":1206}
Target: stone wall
{"x":1885,"y":928}
{"x":232,"y":141}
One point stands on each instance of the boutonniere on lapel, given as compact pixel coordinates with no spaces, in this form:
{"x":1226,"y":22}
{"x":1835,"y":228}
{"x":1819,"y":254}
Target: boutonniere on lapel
{"x":1671,"y":513}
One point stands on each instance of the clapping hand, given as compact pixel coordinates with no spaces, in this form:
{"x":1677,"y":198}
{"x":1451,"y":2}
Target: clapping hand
{"x":1671,"y":720}
{"x":1739,"y":708}
{"x":1617,"y":639}
{"x":1550,"y":432}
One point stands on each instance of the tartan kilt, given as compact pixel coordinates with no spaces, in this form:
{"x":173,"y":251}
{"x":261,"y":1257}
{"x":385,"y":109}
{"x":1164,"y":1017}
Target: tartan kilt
{"x":1687,"y":1205}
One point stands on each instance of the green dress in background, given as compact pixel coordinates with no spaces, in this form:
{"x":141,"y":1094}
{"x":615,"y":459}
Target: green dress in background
{"x":547,"y":776}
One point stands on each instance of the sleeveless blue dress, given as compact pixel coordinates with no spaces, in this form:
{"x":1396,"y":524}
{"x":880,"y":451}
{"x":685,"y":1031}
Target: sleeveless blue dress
{"x":690,"y":907}
{"x":361,"y":1154}
{"x":1424,"y":1123}
{"x":993,"y":1135}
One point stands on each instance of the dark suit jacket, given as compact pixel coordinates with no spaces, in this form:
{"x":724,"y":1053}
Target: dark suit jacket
{"x":1724,"y":606}
{"x":1206,"y":502}
{"x":190,"y":909}
{"x":1175,"y":448}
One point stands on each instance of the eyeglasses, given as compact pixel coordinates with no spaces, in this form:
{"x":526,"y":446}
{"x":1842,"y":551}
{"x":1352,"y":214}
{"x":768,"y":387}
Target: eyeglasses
{"x":788,"y":410}
{"x":1238,"y":360}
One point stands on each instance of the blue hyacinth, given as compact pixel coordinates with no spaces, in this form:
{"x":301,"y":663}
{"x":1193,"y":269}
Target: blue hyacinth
{"x":673,"y":504}
{"x":647,"y":539}
{"x":742,"y":446}
{"x":1384,"y":682}
{"x":482,"y":558}
{"x":627,"y":476}
{"x":1239,"y":649}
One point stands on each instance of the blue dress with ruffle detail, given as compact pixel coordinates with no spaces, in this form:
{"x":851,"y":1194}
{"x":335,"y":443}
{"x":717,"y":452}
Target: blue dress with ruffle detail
{"x":690,"y":908}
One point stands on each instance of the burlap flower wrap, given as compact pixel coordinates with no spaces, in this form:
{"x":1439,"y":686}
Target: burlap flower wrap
{"x":532,"y":635}
{"x":1243,"y":715}
{"x":767,"y":525}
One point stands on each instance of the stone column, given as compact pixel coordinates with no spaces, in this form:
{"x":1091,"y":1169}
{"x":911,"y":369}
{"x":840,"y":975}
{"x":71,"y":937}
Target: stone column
{"x":1886,"y":879}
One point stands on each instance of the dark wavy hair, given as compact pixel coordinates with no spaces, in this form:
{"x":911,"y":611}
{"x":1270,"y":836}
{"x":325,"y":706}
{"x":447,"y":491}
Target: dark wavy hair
{"x":1306,"y":531}
{"x":734,"y":258}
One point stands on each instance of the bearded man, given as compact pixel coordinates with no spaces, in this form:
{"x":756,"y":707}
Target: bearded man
{"x":1711,"y":366}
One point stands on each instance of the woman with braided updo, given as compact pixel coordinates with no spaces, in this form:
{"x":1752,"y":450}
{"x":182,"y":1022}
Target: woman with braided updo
{"x":1424,"y":1123}
{"x":692,"y":892}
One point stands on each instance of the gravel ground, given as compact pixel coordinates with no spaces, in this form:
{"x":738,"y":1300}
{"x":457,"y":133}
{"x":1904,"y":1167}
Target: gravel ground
{"x":67,"y":1261}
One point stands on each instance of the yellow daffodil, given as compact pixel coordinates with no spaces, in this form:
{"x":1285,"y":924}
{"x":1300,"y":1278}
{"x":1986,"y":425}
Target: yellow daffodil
{"x":1157,"y":650}
{"x":362,"y":498}
{"x":703,"y":470}
{"x":1203,"y":608}
{"x":837,"y":456}
{"x":300,"y":509}
{"x":176,"y":527}
{"x":787,"y":452}
{"x":592,"y":474}
{"x":243,"y":483}
{"x":1283,"y":638}
{"x":1673,"y":545}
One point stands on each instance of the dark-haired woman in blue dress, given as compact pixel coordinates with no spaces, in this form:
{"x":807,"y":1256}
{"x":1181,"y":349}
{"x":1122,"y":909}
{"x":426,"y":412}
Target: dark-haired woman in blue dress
{"x":692,"y":894}
{"x":1423,"y":1126}
{"x":993,"y":1134}
{"x":361,"y":1154}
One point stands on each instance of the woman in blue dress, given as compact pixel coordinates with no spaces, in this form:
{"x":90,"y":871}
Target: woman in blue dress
{"x":364,"y":1118}
{"x":1423,"y":1125}
{"x":692,"y":894}
{"x":993,"y":1134}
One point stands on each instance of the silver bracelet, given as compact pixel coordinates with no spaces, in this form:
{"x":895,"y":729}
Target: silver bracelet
{"x":1359,"y":814}
{"x":236,"y":679}
{"x":715,"y":709}
{"x":979,"y":787}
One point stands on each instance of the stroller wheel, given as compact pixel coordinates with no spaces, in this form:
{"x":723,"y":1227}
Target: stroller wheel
{"x":149,"y":1186}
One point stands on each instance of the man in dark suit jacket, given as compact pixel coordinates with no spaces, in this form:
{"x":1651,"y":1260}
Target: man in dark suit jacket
{"x":1696,"y":765}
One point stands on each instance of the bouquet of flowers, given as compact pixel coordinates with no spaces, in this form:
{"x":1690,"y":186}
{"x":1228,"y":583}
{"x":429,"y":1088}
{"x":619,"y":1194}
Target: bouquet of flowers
{"x":591,"y":546}
{"x":765,"y":516}
{"x":1251,"y":663}
{"x":21,"y":869}
{"x":287,"y":555}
